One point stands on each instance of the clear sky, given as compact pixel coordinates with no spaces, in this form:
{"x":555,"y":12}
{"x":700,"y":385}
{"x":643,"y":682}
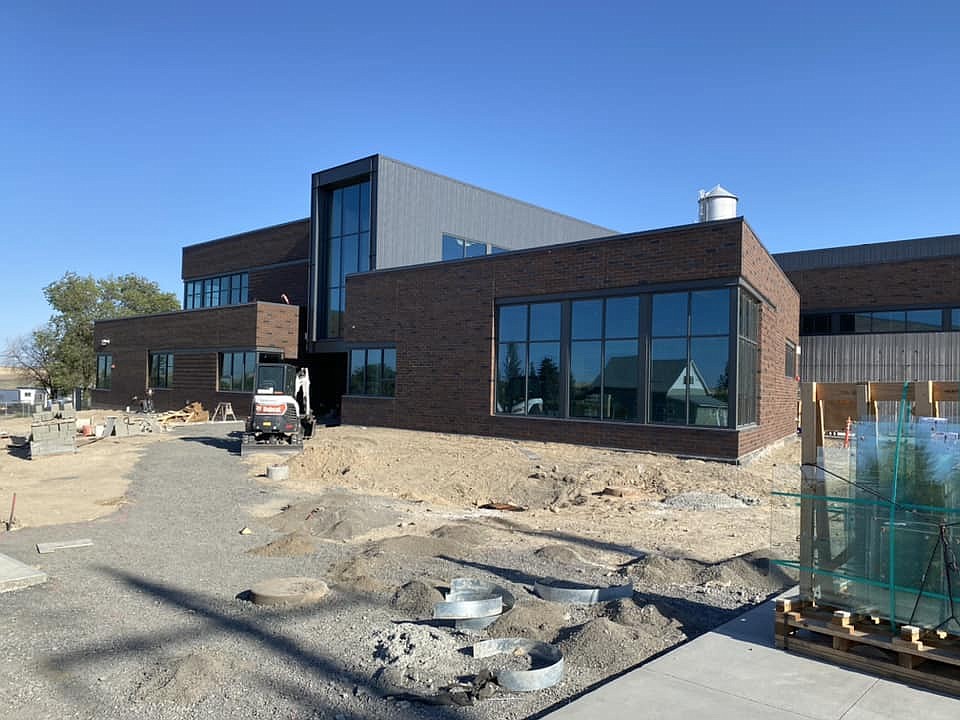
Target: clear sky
{"x":129,"y":129}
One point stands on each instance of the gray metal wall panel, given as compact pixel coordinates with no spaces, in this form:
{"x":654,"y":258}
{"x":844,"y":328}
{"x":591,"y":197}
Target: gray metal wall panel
{"x":870,"y":254}
{"x":415,"y":207}
{"x":880,"y":358}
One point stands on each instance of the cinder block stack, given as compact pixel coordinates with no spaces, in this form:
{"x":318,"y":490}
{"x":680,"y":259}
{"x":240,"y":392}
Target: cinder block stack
{"x":54,"y":432}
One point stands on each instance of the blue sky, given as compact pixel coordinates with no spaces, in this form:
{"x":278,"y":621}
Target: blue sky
{"x":128,"y":130}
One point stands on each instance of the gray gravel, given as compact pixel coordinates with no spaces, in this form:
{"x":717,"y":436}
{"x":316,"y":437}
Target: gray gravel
{"x":147,"y":623}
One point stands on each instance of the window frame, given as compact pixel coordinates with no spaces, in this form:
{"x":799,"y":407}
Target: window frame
{"x":385,"y":383}
{"x":104,"y":375}
{"x":248,"y":358}
{"x":161,"y":370}
{"x":217,"y":291}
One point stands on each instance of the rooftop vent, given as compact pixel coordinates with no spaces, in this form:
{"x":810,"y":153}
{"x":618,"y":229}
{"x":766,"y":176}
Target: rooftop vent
{"x":717,"y":204}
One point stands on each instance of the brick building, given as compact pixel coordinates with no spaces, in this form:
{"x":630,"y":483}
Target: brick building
{"x":883,"y":312}
{"x":418,"y":301}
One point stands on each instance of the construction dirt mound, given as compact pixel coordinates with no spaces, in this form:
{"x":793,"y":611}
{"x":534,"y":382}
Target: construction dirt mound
{"x":416,"y":599}
{"x":295,"y":544}
{"x":186,"y":680}
{"x":336,"y":515}
{"x":751,"y":571}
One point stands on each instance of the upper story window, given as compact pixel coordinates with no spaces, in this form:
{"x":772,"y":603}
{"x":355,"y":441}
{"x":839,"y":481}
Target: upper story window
{"x":215,"y":291}
{"x":457,"y":248}
{"x":348,"y":247}
{"x":877,"y":321}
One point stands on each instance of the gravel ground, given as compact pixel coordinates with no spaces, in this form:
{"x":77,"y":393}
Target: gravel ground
{"x":147,"y":623}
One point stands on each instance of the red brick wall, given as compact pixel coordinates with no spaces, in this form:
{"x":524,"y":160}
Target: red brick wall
{"x":441,"y":319}
{"x":268,"y":246}
{"x":194,"y":337}
{"x":915,"y":283}
{"x":779,"y":322}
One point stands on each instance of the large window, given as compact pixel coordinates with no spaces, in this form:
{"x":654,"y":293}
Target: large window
{"x":348,"y":248}
{"x":104,"y":371}
{"x":215,"y":291}
{"x":605,"y":358}
{"x":238,"y":371}
{"x":161,"y":370}
{"x":689,"y":358}
{"x":373,"y":371}
{"x":528,"y":366}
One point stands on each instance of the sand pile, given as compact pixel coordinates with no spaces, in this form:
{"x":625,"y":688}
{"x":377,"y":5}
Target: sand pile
{"x":416,"y":657}
{"x":295,"y":544}
{"x":336,"y":515}
{"x":186,"y":680}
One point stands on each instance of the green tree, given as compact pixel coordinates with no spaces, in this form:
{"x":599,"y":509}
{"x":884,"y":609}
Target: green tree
{"x":60,"y":355}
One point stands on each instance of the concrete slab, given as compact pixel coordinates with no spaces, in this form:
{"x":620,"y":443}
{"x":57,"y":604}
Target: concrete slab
{"x":14,"y":575}
{"x":735,"y":672}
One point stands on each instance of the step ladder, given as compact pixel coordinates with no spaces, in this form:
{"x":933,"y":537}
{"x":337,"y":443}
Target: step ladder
{"x":224,"y":412}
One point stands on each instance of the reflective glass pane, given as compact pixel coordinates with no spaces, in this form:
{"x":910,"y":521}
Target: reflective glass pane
{"x":389,"y":378}
{"x":924,"y":320}
{"x":226,"y":371}
{"x":351,"y":210}
{"x":670,"y":315}
{"x":623,"y":318}
{"x":545,"y":321}
{"x":511,"y":385}
{"x":709,"y":381}
{"x":621,"y":375}
{"x":350,"y":253}
{"x":235,"y":290}
{"x":334,"y":313}
{"x":333,"y":268}
{"x":452,"y":248}
{"x":668,"y":381}
{"x":955,"y":319}
{"x":846,"y":323}
{"x":365,"y":207}
{"x":861,"y":322}
{"x":357,"y":365}
{"x":543,"y":379}
{"x":710,"y":312}
{"x":889,"y":321}
{"x":475,"y":249}
{"x":336,"y":205}
{"x":747,"y":359}
{"x":364,"y":259}
{"x":513,"y":323}
{"x":372,"y":383}
{"x":494,"y":250}
{"x":750,"y":317}
{"x":586,"y":319}
{"x":585,"y":378}
{"x":249,"y":371}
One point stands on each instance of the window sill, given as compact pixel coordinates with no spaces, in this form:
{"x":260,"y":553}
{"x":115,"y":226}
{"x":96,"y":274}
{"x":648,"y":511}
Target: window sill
{"x":370,"y":397}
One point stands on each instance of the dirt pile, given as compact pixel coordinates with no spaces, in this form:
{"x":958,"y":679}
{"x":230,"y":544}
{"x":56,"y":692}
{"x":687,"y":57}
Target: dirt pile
{"x":416,"y":599}
{"x":186,"y":680}
{"x":602,"y":647}
{"x":336,"y":515}
{"x":532,"y":619}
{"x":295,"y":544}
{"x":416,"y":657}
{"x":751,"y":572}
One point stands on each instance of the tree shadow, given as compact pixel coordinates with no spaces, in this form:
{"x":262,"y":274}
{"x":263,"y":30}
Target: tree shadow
{"x":517,"y":527}
{"x":287,"y":648}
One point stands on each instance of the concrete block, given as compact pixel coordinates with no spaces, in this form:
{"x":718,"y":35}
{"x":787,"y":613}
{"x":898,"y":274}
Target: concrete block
{"x":51,"y":447}
{"x":14,"y":575}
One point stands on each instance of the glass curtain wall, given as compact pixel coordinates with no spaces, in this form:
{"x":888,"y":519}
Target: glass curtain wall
{"x":348,"y":247}
{"x":605,"y":358}
{"x":690,"y":358}
{"x":528,"y":359}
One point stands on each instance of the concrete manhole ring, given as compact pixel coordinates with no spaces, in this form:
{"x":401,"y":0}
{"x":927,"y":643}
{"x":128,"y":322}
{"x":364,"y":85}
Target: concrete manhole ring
{"x":288,"y":591}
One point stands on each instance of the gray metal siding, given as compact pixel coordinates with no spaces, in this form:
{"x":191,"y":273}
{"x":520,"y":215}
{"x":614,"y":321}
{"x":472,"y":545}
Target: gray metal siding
{"x":414,"y":208}
{"x":881,"y":358}
{"x":870,"y":254}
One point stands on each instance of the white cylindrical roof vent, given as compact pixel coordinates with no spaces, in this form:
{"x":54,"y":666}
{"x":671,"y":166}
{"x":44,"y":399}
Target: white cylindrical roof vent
{"x":718,"y":204}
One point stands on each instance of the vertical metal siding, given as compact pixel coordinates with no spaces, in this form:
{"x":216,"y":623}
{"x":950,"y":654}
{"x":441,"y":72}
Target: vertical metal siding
{"x":415,"y":207}
{"x":881,"y":358}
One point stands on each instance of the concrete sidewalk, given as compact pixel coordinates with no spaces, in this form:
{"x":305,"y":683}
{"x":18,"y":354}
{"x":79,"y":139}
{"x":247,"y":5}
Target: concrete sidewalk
{"x":735,"y":672}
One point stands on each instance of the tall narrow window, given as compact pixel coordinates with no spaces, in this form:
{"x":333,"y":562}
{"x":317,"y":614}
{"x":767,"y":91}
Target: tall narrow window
{"x":104,"y":371}
{"x":161,"y":370}
{"x":348,"y":247}
{"x":238,"y":371}
{"x":748,"y":359}
{"x":528,"y":359}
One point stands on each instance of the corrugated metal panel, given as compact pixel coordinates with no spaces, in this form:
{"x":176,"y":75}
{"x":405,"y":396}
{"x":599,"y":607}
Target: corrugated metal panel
{"x":870,"y":254}
{"x":880,"y":358}
{"x":415,"y":207}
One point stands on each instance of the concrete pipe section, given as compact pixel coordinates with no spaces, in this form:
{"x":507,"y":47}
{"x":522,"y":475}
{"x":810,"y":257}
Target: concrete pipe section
{"x":288,"y":591}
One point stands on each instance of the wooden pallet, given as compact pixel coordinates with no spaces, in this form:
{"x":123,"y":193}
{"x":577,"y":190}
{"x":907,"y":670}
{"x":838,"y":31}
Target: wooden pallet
{"x":866,"y":643}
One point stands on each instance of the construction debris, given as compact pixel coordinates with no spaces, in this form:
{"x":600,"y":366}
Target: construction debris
{"x":53,"y":432}
{"x":14,"y":575}
{"x":288,"y":591}
{"x":44,"y":548}
{"x":473,"y":604}
{"x":571,"y":592}
{"x":546,"y":661}
{"x":191,"y":413}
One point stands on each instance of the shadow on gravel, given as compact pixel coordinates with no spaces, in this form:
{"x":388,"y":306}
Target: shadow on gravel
{"x":287,"y":649}
{"x":230,"y":444}
{"x":567,"y":537}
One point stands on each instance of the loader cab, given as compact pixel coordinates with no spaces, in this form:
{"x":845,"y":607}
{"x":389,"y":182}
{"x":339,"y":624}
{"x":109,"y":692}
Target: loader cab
{"x":276,"y":379}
